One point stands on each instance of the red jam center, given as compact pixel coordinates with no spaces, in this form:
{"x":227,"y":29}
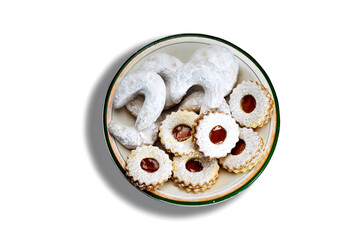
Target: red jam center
{"x":248,"y":103}
{"x":194,"y":165}
{"x":149,"y":165}
{"x":240,"y":146}
{"x":217,"y":135}
{"x":182,"y":132}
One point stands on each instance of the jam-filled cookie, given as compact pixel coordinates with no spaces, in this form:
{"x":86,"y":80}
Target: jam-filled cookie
{"x":246,"y":154}
{"x":251,"y":104}
{"x":176,"y":132}
{"x":148,"y":167}
{"x":194,"y":172}
{"x":216,"y":133}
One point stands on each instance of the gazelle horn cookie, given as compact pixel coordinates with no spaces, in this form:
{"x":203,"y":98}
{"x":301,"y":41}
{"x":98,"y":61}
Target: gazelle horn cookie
{"x":202,"y":73}
{"x":145,"y":83}
{"x":246,"y":154}
{"x":135,"y":107}
{"x":216,"y":133}
{"x":131,"y":138}
{"x":163,"y":64}
{"x":176,"y":132}
{"x":251,"y":104}
{"x":194,"y":101}
{"x":224,"y":60}
{"x":148,"y":167}
{"x":194,"y":172}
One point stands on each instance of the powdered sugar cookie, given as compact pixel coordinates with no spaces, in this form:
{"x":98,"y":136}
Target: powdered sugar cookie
{"x":163,"y":64}
{"x":131,"y":138}
{"x":202,"y":73}
{"x":216,"y":133}
{"x":148,"y":167}
{"x":251,"y":104}
{"x":176,"y":132}
{"x":149,"y":84}
{"x":224,"y":60}
{"x":194,"y":172}
{"x":194,"y":101}
{"x":246,"y":154}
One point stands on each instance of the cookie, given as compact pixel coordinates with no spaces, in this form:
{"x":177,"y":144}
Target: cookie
{"x":251,"y":104}
{"x":215,"y":133}
{"x":224,"y":60}
{"x":194,"y":172}
{"x":246,"y":154}
{"x":194,"y":102}
{"x":176,"y":132}
{"x":148,"y":167}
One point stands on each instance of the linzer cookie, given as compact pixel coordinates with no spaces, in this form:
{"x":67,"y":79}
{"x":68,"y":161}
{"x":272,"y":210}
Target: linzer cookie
{"x":251,"y":104}
{"x":216,"y":133}
{"x":176,"y":132}
{"x":194,"y":172}
{"x":148,"y":167}
{"x":246,"y":154}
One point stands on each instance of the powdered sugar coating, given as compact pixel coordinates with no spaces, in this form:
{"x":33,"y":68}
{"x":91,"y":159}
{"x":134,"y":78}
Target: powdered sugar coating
{"x":224,"y":60}
{"x":163,"y":64}
{"x":203,"y":126}
{"x":194,"y":101}
{"x":134,"y":106}
{"x":264,"y":104}
{"x":138,"y":175}
{"x":202,"y":73}
{"x":145,"y":83}
{"x":208,"y":174}
{"x":166,"y":132}
{"x":131,"y":138}
{"x":249,"y":156}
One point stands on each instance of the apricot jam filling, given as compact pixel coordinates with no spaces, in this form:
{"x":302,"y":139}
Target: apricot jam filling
{"x":194,"y":165}
{"x":182,"y":132}
{"x":239,"y":147}
{"x":217,"y":135}
{"x":248,"y":103}
{"x":149,"y":165}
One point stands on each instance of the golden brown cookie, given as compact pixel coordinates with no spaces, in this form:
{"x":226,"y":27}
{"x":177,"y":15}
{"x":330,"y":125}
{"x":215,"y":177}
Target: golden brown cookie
{"x":194,"y":172}
{"x":246,"y":154}
{"x":148,"y":167}
{"x":176,"y":132}
{"x":251,"y":104}
{"x":216,"y":133}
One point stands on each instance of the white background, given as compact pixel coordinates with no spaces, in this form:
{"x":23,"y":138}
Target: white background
{"x":57,"y":180}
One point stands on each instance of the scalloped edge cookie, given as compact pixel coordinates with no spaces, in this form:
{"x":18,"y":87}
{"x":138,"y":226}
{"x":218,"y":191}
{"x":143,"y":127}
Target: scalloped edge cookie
{"x":264,"y":104}
{"x":195,"y":181}
{"x":249,"y":157}
{"x":205,"y":123}
{"x":143,"y":179}
{"x":166,"y":132}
